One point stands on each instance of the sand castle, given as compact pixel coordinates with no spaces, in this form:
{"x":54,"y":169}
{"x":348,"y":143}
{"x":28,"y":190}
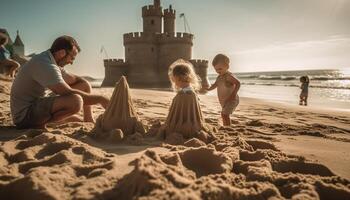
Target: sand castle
{"x":120,"y":118}
{"x":148,"y":54}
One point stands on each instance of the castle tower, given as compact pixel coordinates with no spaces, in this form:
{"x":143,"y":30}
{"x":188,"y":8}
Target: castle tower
{"x":152,"y":18}
{"x":169,"y":20}
{"x":18,"y":46}
{"x":149,"y":54}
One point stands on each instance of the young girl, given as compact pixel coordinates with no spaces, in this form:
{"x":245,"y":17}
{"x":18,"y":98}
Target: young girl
{"x":182,"y":77}
{"x":304,"y":90}
{"x":185,"y":117}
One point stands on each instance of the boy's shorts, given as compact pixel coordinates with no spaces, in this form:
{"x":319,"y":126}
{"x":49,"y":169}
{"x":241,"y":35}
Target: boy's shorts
{"x":38,"y":113}
{"x":229,"y":107}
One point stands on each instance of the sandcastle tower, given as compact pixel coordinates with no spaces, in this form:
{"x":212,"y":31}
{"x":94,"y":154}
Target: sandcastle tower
{"x":18,"y":46}
{"x":149,"y":54}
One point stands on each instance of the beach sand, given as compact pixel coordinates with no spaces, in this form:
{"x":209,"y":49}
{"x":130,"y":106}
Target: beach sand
{"x":271,"y":151}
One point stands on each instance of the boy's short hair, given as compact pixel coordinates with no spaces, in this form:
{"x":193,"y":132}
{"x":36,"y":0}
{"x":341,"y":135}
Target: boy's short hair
{"x":220,"y":58}
{"x":3,"y":39}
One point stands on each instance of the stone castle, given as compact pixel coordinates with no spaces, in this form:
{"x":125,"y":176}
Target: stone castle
{"x":149,"y":54}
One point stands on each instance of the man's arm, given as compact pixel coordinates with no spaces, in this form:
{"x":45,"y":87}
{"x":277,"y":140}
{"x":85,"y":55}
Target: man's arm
{"x":237,"y":84}
{"x":89,"y":99}
{"x":72,"y":79}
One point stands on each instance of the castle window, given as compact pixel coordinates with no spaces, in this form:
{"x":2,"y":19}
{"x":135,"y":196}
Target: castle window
{"x":152,"y":49}
{"x":152,"y":21}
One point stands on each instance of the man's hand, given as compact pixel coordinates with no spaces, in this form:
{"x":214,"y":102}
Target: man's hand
{"x":104,"y":101}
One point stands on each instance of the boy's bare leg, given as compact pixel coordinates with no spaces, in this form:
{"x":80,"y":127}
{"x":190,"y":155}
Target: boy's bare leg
{"x":226,"y":119}
{"x":64,"y":107}
{"x":86,"y":87}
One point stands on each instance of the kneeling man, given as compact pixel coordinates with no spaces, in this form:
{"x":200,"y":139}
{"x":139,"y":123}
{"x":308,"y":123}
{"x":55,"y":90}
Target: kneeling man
{"x":30,"y":108}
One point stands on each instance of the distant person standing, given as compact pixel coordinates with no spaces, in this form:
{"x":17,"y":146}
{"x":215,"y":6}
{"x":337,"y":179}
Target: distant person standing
{"x":7,"y":65}
{"x":304,"y":90}
{"x":227,"y":86}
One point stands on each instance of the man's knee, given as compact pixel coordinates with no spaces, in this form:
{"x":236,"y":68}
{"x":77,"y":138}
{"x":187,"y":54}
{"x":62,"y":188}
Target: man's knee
{"x":76,"y":102}
{"x":85,"y":86}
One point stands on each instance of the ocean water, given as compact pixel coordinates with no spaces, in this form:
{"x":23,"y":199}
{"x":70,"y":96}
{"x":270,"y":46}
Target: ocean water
{"x":327,"y":89}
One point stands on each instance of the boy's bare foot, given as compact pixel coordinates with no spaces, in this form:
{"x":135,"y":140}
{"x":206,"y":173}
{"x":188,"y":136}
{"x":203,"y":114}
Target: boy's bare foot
{"x":226,"y":120}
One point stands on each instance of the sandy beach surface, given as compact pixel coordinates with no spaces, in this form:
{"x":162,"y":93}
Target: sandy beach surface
{"x":271,"y":151}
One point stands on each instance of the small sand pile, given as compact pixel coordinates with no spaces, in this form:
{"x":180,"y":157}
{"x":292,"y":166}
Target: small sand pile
{"x":120,"y":118}
{"x":51,"y":166}
{"x":185,"y":120}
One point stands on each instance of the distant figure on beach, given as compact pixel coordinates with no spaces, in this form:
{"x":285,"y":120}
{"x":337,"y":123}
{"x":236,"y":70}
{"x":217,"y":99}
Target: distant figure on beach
{"x":304,"y":90}
{"x":227,"y":87}
{"x":30,"y":108}
{"x":7,"y":65}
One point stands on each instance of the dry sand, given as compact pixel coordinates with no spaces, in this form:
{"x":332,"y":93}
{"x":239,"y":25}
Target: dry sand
{"x":272,"y":151}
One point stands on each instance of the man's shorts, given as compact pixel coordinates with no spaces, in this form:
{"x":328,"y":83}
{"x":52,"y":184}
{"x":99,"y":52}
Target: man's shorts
{"x":38,"y":113}
{"x":229,"y":107}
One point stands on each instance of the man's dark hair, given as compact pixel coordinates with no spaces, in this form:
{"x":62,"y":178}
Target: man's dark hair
{"x":3,"y":38}
{"x":64,"y":42}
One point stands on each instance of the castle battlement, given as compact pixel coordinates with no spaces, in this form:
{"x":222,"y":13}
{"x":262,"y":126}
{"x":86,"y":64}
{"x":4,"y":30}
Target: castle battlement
{"x":199,"y":63}
{"x":114,"y":63}
{"x":138,"y":37}
{"x":176,"y":37}
{"x":169,"y":12}
{"x":152,"y":10}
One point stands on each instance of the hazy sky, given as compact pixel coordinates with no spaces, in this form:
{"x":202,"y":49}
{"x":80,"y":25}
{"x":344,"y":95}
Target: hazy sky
{"x":258,"y":35}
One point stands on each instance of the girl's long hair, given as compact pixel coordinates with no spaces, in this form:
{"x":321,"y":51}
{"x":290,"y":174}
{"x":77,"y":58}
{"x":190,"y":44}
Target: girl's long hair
{"x":185,"y":72}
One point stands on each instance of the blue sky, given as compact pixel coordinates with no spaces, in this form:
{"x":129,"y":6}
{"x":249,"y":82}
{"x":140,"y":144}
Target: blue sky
{"x":258,"y":35}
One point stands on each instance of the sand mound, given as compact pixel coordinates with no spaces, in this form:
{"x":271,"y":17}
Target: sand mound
{"x":204,"y":161}
{"x":204,"y":173}
{"x":120,"y":118}
{"x":52,"y":166}
{"x":194,"y":142}
{"x":228,"y":168}
{"x":185,"y":117}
